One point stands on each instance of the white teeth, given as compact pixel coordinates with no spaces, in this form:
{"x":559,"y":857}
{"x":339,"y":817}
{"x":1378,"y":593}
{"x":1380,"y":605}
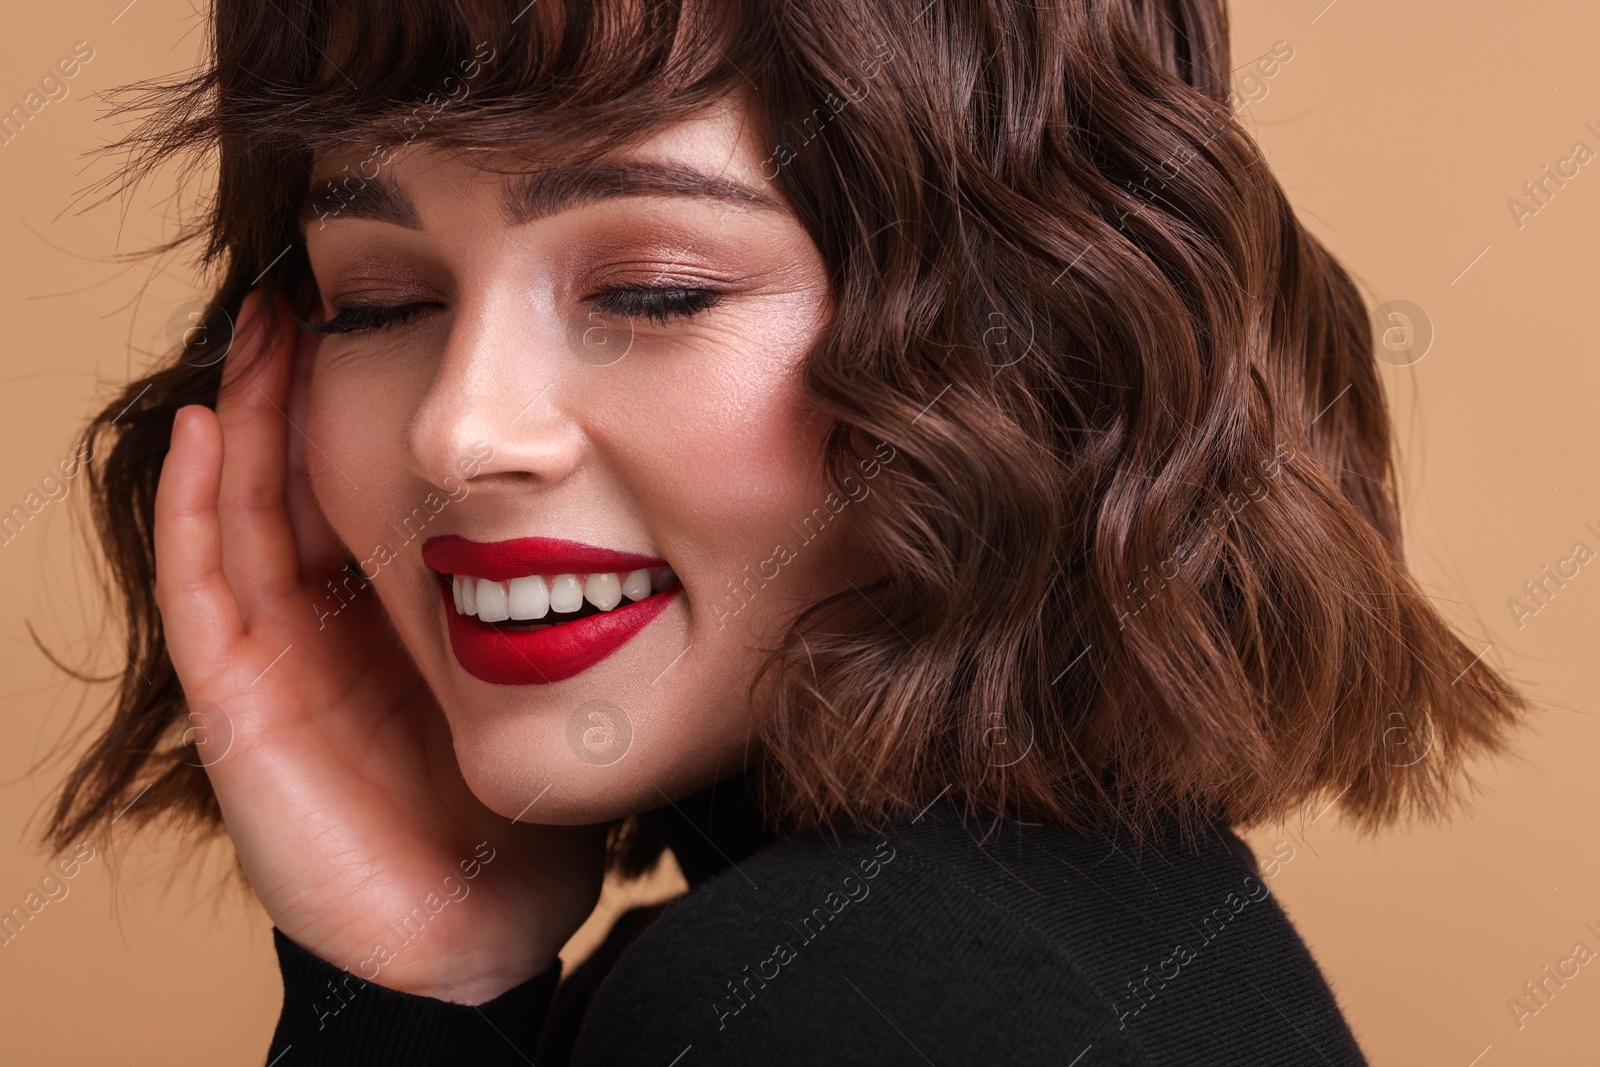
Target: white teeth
{"x":636,"y":586}
{"x":535,"y":596}
{"x":530,"y":597}
{"x":493,"y":602}
{"x":603,"y":590}
{"x":566,"y":595}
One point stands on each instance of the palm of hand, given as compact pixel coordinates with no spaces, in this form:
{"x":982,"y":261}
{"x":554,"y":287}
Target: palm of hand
{"x":338,"y":782}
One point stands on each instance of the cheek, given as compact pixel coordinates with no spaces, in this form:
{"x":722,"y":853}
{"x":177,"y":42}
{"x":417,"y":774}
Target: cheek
{"x":753,"y":454}
{"x":355,"y":448}
{"x":724,"y":439}
{"x":730,"y":455}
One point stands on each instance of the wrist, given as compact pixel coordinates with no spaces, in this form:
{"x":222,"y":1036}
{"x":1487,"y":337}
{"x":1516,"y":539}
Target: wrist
{"x":468,"y":988}
{"x":333,"y":1018}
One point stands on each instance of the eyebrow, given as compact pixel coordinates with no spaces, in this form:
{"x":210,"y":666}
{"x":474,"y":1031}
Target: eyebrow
{"x":534,"y":194}
{"x":379,"y":200}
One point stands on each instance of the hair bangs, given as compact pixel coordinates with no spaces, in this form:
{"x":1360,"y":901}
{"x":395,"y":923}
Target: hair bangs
{"x":285,"y":85}
{"x":490,"y":76}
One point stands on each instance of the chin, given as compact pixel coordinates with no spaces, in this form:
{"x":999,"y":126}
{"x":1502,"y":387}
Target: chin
{"x":587,"y":769}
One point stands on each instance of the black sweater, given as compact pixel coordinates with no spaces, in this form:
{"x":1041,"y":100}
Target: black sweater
{"x":915,"y":946}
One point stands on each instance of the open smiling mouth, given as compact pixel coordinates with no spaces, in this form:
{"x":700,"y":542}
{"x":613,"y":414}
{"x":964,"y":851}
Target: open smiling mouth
{"x":538,"y":601}
{"x":533,"y":611}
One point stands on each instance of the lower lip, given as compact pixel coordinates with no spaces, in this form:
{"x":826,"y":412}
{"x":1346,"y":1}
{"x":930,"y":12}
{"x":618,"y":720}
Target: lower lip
{"x":539,"y":657}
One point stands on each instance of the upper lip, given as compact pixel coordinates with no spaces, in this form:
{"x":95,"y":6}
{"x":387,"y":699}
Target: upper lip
{"x":500,"y":561}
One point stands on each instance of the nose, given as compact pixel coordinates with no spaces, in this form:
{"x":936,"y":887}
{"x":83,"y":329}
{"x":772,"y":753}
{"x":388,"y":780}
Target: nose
{"x":493,"y":413}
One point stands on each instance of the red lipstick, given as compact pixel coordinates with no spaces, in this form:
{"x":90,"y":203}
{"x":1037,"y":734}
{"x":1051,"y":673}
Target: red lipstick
{"x":500,"y":560}
{"x":494,"y":653}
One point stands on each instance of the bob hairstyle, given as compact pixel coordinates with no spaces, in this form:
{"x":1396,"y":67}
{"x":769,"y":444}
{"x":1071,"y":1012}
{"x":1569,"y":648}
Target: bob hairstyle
{"x":1140,"y":516}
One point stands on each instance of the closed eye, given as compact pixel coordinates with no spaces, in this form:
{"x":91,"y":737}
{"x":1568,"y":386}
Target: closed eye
{"x":365,"y":318}
{"x":657,"y":304}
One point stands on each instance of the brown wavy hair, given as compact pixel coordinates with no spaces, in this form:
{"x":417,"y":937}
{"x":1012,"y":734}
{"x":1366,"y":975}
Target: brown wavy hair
{"x":1140,"y":524}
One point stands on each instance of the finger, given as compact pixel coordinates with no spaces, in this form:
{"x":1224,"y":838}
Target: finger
{"x":259,"y":555}
{"x":198,"y":610}
{"x":320,"y":550}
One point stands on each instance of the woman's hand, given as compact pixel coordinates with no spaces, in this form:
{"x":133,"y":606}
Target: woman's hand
{"x":330,"y":759}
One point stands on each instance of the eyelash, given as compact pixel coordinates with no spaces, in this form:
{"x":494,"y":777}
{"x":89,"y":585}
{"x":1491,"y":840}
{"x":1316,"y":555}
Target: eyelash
{"x":364,"y":318}
{"x":657,"y":304}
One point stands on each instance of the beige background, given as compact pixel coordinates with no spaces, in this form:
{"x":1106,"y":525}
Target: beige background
{"x":1400,"y":131}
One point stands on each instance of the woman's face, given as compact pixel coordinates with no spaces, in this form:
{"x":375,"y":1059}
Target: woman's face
{"x":574,"y":460}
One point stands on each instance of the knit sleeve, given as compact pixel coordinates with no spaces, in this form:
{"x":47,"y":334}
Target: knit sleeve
{"x":333,"y":1018}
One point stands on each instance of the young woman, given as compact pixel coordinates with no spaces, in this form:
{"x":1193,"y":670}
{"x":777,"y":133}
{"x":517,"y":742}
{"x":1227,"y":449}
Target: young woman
{"x":903,"y":457}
